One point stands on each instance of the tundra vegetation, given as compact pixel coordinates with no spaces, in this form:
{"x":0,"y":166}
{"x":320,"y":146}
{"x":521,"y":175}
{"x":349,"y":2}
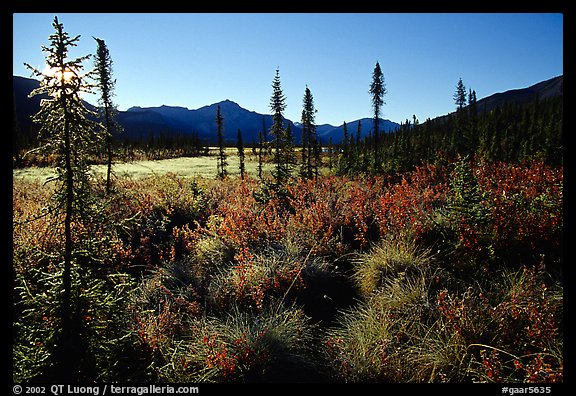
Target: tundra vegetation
{"x":442,"y":262}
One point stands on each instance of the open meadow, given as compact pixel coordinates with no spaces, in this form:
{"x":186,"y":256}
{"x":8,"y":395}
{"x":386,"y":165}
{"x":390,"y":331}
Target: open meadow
{"x":202,"y":166}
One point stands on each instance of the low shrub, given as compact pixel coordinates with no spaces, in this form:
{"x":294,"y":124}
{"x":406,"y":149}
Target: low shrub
{"x":233,"y":287}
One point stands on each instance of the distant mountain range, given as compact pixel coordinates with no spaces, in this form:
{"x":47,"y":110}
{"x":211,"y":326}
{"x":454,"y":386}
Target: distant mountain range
{"x":138,"y":121}
{"x":143,"y":122}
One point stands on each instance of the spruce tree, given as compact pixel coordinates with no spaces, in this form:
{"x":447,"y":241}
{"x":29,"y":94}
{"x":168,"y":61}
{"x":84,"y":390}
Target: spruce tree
{"x":305,"y":138}
{"x":345,"y":160}
{"x":377,"y":90}
{"x":105,"y":84}
{"x":278,"y":105}
{"x":460,"y":95}
{"x":472,"y":137}
{"x":458,"y":139}
{"x":345,"y":141}
{"x":221,"y":165}
{"x":308,"y":133}
{"x":66,"y":131}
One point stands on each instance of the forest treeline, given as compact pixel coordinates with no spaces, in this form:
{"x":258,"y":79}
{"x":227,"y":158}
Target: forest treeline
{"x":512,"y":132}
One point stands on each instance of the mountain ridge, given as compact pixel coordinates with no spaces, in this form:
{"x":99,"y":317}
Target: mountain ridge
{"x":144,"y":122}
{"x":541,"y":90}
{"x":202,"y":119}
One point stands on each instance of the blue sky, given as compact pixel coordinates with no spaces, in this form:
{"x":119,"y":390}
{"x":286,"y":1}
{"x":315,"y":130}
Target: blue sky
{"x":192,"y":60}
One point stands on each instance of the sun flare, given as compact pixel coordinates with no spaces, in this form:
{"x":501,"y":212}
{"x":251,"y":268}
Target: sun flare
{"x":68,"y":74}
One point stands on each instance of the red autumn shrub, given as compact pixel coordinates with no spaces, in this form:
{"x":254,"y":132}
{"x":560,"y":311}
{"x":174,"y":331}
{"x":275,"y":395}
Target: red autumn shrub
{"x":525,"y":203}
{"x":514,"y":329}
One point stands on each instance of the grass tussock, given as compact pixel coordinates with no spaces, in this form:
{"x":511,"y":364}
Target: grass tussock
{"x":387,"y":261}
{"x":409,"y":327}
{"x":242,"y":346}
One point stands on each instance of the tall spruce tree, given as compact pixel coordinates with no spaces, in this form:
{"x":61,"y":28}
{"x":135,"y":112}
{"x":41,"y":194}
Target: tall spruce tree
{"x":345,"y":140}
{"x":278,"y":105}
{"x":222,"y":163}
{"x":458,"y":138}
{"x":105,"y":84}
{"x":305,"y":140}
{"x":460,"y":95}
{"x":377,"y":91}
{"x":308,"y":134}
{"x":67,"y":131}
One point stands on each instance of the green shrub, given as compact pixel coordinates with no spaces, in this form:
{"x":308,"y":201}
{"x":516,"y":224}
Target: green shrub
{"x":100,"y":339}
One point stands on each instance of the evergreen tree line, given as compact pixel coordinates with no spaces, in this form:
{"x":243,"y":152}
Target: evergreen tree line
{"x":124,"y":148}
{"x":512,"y":132}
{"x":164,"y":145}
